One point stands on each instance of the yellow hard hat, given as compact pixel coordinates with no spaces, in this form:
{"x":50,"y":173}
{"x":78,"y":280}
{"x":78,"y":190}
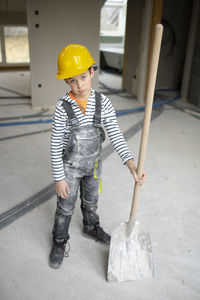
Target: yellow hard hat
{"x":73,"y":60}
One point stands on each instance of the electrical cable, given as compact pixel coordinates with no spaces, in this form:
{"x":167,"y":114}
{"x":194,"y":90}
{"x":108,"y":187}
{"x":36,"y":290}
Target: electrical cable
{"x":45,"y":194}
{"x":40,"y":114}
{"x":13,"y":92}
{"x":15,"y":104}
{"x":118,"y":113}
{"x":25,"y":123}
{"x":141,"y":108}
{"x":48,"y":192}
{"x":24,"y":134}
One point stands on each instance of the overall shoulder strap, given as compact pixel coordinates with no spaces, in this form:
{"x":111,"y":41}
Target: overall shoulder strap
{"x":97,"y":115}
{"x":71,"y":115}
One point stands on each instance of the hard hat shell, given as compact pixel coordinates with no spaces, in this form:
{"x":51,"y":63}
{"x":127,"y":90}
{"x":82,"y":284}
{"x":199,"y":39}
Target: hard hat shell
{"x":73,"y":60}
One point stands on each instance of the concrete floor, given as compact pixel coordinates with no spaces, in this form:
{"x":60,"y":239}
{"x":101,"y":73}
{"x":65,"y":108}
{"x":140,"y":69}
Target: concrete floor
{"x":168,"y":208}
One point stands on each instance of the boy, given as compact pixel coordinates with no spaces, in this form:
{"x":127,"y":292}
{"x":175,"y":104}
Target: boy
{"x":77,"y":135}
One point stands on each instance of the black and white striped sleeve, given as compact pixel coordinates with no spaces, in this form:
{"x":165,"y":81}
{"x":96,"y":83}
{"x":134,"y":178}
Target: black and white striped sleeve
{"x":57,"y":142}
{"x":111,"y":124}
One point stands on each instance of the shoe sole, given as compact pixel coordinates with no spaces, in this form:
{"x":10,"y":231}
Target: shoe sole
{"x":85,"y":235}
{"x":53,"y":266}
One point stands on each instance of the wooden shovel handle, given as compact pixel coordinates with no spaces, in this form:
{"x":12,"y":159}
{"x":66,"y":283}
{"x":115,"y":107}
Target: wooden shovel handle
{"x":147,"y":114}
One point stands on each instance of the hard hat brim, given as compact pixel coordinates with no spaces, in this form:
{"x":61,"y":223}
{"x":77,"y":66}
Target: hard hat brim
{"x":65,"y":76}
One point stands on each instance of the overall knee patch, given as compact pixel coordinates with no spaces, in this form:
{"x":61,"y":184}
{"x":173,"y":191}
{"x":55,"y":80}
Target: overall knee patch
{"x":61,"y":226}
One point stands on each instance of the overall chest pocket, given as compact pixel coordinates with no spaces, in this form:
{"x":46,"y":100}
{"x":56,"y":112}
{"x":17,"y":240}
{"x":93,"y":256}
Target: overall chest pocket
{"x":84,"y":142}
{"x":88,"y":143}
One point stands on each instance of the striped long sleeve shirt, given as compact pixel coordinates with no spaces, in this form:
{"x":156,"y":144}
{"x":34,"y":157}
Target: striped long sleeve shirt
{"x":61,"y":129}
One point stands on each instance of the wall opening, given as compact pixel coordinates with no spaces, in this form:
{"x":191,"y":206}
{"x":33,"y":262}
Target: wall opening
{"x":14,"y":46}
{"x":112,"y":32}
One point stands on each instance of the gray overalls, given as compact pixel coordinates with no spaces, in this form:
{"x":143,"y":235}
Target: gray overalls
{"x":83,"y":164}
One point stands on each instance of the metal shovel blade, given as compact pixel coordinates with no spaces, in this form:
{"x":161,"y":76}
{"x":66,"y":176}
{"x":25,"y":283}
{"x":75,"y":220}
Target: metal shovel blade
{"x":130,"y":256}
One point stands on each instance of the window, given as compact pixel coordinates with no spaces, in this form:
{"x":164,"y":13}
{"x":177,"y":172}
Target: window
{"x":14,"y":43}
{"x":113,"y":16}
{"x":110,"y":19}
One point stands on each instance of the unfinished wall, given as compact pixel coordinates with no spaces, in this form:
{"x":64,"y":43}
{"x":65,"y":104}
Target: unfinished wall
{"x":173,"y":50}
{"x":53,"y":25}
{"x":132,"y":42}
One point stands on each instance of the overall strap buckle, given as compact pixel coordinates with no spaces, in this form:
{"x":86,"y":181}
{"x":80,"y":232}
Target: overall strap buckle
{"x":71,"y":115}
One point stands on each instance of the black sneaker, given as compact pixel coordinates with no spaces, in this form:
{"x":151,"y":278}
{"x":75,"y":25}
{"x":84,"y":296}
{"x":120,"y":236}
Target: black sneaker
{"x":57,"y":253}
{"x":97,"y":233}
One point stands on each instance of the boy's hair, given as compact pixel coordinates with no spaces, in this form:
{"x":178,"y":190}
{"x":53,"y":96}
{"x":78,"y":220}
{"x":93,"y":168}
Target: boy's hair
{"x":94,"y":67}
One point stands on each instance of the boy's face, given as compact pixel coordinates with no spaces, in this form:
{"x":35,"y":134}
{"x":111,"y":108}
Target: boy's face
{"x":81,"y":84}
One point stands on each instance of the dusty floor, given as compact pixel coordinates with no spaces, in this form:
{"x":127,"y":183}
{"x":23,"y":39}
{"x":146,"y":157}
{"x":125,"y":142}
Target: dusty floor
{"x":169,"y":205}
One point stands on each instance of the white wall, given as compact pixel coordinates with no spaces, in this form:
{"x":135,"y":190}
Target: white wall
{"x":60,"y":23}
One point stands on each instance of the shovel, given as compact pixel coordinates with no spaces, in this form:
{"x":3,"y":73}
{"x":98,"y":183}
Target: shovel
{"x":130,"y":255}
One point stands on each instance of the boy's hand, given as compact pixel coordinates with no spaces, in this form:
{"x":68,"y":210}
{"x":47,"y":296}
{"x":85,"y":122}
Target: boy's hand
{"x":133,"y":169}
{"x":62,"y":188}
